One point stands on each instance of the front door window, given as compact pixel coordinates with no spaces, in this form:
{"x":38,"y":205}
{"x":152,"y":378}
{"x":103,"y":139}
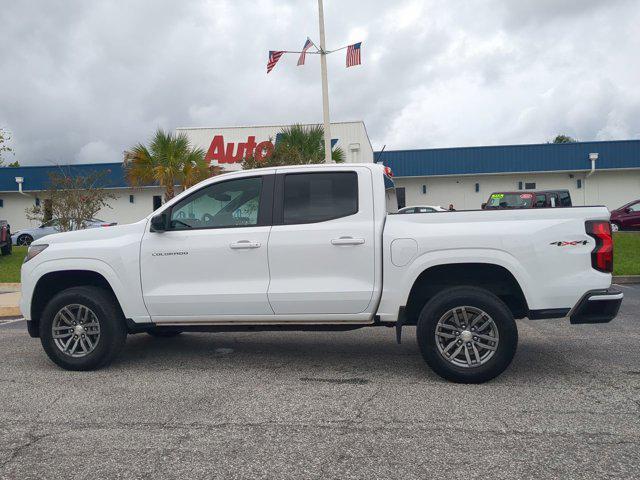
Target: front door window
{"x":226,"y":204}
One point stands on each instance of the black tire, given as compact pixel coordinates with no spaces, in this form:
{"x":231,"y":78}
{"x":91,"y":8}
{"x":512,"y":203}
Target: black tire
{"x":6,"y":250}
{"x":162,"y":333}
{"x":478,"y":298}
{"x":24,"y":240}
{"x":113,"y":332}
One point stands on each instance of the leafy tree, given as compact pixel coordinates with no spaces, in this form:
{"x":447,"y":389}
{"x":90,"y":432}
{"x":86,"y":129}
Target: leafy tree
{"x":564,"y":139}
{"x":4,"y":148}
{"x":297,"y":145}
{"x":14,"y":164}
{"x":168,"y":161}
{"x":72,"y":199}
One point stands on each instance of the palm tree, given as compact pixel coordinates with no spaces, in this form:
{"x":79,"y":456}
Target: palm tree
{"x":296,"y":145}
{"x":309,"y":142}
{"x":169,"y":161}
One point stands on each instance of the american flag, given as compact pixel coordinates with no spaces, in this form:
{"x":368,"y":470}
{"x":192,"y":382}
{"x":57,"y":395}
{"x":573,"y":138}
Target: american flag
{"x":303,"y":54}
{"x":353,"y":54}
{"x":274,"y":56}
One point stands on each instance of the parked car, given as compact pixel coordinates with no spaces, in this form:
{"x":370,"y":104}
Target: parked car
{"x":305,"y":248}
{"x":5,"y":238}
{"x":529,"y":199}
{"x":25,"y":236}
{"x":422,"y":209}
{"x":627,"y":217}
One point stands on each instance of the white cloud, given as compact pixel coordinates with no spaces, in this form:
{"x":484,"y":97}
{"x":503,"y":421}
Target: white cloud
{"x":98,"y":152}
{"x":82,"y":81}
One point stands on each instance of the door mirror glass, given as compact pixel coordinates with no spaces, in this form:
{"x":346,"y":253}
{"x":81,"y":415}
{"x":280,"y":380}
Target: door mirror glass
{"x":159,"y":222}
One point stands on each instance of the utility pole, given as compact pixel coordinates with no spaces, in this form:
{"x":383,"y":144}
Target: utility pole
{"x":325,"y":87}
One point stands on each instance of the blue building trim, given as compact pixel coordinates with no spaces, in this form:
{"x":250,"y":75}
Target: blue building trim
{"x":36,"y":178}
{"x":546,"y":157}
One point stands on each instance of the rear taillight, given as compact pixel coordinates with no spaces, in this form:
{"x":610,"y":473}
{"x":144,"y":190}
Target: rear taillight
{"x":602,"y":255}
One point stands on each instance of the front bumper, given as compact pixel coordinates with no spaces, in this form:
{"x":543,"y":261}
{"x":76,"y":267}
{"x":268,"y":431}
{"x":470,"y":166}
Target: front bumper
{"x":597,"y":306}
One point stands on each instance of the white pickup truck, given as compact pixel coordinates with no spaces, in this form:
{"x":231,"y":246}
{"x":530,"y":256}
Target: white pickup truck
{"x":319,"y":248}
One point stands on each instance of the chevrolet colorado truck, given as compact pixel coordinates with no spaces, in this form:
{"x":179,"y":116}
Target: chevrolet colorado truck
{"x":320,"y":248}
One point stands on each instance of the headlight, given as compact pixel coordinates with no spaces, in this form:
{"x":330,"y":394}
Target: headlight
{"x":35,"y":250}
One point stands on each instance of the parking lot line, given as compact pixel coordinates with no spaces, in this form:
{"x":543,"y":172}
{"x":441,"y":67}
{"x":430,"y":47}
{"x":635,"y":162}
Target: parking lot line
{"x":10,"y":320}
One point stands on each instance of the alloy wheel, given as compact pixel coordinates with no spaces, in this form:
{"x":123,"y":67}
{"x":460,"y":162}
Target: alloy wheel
{"x":467,"y":336}
{"x":76,"y":330}
{"x":24,"y":240}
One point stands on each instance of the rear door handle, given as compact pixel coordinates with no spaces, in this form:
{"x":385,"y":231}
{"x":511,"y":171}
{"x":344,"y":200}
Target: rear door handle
{"x":347,"y":241}
{"x":244,"y":244}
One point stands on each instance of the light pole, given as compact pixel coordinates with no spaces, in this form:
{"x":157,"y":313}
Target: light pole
{"x":593,"y":157}
{"x":325,"y":87}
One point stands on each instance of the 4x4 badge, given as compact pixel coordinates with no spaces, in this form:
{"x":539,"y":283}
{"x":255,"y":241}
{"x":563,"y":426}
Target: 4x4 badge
{"x":569,"y":244}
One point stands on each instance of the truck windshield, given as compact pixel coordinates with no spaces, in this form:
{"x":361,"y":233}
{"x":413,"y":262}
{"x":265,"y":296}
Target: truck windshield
{"x":510,"y":200}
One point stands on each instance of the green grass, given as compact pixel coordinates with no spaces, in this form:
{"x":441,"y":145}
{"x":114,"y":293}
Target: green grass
{"x":10,"y":265}
{"x":626,"y":259}
{"x":626,"y":253}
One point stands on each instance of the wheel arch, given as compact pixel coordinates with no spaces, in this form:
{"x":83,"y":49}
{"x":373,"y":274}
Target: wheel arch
{"x":492,"y":277}
{"x":54,"y":282}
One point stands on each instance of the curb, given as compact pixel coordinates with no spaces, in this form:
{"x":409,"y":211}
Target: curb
{"x":9,"y":287}
{"x":10,"y":312}
{"x":626,"y":279}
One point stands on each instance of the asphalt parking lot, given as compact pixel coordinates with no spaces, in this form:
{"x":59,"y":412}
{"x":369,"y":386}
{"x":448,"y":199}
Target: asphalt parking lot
{"x":330,"y":405}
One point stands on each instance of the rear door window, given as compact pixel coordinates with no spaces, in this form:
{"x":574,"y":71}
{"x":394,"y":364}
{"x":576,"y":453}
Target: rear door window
{"x":318,"y":197}
{"x":541,"y":200}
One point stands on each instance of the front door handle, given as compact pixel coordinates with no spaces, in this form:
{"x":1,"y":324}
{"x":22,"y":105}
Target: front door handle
{"x":243,"y":244}
{"x":347,"y":241}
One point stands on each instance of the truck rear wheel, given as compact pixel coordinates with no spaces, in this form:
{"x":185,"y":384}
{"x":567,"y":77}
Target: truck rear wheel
{"x":467,"y":335}
{"x":81,"y":328}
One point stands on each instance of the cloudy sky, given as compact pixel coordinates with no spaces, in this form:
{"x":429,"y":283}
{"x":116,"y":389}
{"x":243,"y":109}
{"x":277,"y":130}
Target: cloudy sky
{"x":80,"y":81}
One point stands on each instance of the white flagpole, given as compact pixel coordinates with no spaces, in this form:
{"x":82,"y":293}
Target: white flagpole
{"x":325,"y":87}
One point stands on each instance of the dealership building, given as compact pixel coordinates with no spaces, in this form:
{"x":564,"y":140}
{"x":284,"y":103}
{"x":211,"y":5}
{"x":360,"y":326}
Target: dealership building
{"x":603,"y":173}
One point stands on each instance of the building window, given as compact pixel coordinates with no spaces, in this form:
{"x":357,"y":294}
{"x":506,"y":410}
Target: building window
{"x":579,"y":183}
{"x":1,"y":203}
{"x":424,"y":189}
{"x":519,"y":185}
{"x":130,"y":198}
{"x":530,"y":186}
{"x":157,"y":202}
{"x":401,"y":197}
{"x":477,"y":187}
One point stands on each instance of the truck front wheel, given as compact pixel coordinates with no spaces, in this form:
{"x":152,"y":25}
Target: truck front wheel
{"x":467,"y":335}
{"x":81,"y":328}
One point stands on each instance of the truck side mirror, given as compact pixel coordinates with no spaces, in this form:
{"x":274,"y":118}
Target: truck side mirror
{"x":159,"y":222}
